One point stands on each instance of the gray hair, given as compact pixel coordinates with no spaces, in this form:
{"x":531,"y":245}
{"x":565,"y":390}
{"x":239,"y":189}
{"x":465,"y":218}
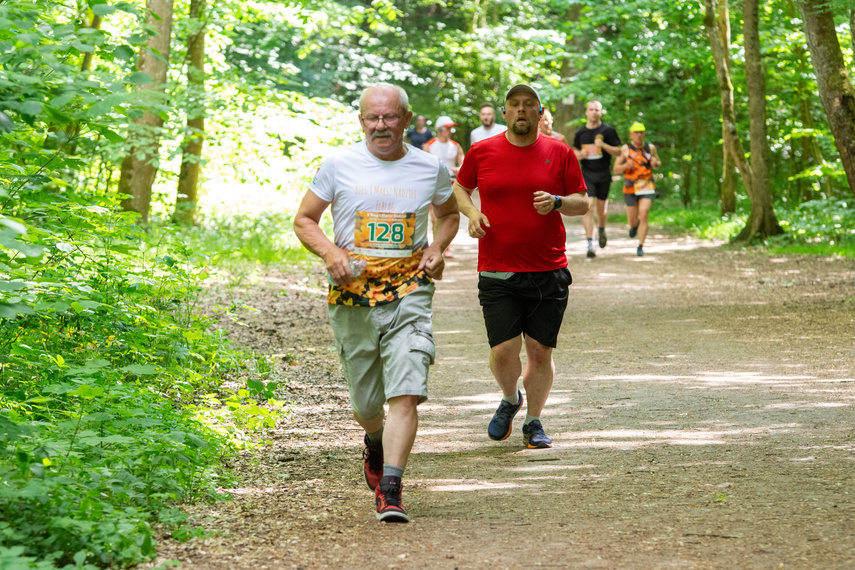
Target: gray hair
{"x":403,"y":99}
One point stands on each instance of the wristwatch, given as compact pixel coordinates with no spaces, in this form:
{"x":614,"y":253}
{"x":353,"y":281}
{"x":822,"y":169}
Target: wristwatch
{"x":557,"y":203}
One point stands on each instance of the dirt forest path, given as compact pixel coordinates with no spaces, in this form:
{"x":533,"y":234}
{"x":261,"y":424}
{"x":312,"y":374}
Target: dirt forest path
{"x":702,"y":417}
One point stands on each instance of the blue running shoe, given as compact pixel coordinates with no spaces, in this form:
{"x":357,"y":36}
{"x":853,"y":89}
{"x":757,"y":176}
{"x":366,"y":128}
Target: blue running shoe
{"x":639,"y":252}
{"x":501,"y":425}
{"x":534,"y":437}
{"x":633,"y":232}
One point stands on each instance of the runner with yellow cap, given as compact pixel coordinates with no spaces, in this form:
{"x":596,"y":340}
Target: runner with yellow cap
{"x":636,"y":162}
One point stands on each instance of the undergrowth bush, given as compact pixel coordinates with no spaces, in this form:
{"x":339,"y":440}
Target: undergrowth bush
{"x":111,"y":399}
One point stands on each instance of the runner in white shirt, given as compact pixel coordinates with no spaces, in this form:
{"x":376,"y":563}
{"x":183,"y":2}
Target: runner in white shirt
{"x":445,"y":149}
{"x":380,"y":191}
{"x":489,"y":127}
{"x":448,"y":152}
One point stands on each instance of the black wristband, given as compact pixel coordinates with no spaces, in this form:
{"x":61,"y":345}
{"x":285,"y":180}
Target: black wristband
{"x":557,"y":203}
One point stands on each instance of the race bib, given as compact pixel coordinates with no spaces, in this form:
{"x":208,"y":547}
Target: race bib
{"x":594,"y":152}
{"x":384,"y":234}
{"x":644,"y":187}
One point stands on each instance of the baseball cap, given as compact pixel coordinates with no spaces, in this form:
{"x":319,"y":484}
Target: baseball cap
{"x":637,"y":128}
{"x":522,"y":88}
{"x":445,"y":122}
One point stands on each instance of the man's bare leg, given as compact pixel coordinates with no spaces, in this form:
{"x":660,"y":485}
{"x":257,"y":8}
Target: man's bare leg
{"x":539,"y":375}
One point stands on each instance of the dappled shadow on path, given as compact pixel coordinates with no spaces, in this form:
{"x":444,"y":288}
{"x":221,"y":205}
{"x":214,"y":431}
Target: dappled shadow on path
{"x":701,"y":417}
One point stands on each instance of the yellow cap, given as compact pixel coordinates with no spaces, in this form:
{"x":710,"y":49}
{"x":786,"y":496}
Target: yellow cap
{"x":637,"y":128}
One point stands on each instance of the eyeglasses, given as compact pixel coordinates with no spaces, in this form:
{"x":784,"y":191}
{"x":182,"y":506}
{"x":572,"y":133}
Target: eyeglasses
{"x":388,"y":120}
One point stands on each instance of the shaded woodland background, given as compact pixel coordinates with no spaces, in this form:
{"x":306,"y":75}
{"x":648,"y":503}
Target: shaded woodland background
{"x":152,"y":149}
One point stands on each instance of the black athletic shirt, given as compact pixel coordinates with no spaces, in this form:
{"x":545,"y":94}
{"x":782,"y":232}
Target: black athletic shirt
{"x":601,"y":167}
{"x":418,"y":139}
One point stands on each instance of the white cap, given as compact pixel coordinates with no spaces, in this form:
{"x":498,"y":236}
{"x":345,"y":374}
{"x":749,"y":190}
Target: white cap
{"x":445,"y":122}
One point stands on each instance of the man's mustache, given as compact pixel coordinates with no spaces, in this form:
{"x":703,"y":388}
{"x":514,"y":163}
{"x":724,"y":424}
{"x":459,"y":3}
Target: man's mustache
{"x":384,"y":134}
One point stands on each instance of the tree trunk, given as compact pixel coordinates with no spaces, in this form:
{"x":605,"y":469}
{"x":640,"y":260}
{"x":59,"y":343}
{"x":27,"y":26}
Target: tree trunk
{"x":728,"y":172}
{"x":697,"y":162}
{"x":86,"y":65}
{"x":139,"y":167}
{"x":568,"y":110}
{"x":811,"y":152}
{"x":191,"y":162}
{"x":852,"y":30}
{"x":728,"y":116}
{"x":832,"y":78}
{"x":761,"y":221}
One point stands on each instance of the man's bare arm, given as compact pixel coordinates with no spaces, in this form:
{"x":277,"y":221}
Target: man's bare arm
{"x":447,"y":224}
{"x":478,"y":222}
{"x":572,"y":205}
{"x":309,"y":232}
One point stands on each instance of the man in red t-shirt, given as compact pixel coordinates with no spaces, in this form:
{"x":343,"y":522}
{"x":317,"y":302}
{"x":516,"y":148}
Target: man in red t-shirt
{"x":524,"y":181}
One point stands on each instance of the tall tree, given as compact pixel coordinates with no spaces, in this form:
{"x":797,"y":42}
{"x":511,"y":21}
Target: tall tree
{"x":139,"y":167}
{"x":728,"y":172}
{"x":728,"y":114}
{"x":832,"y":78}
{"x":570,"y":108}
{"x":761,"y":221}
{"x":191,"y":161}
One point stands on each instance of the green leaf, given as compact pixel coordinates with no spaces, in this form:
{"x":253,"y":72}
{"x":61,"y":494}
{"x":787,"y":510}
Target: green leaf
{"x":88,"y":369}
{"x":103,"y":9}
{"x":140,"y":78}
{"x":87,"y":392}
{"x":111,"y":135}
{"x":11,"y":285}
{"x":12,"y":310}
{"x":31,"y":107}
{"x":126,"y":7}
{"x":140,"y":369}
{"x":103,"y":107}
{"x":197,"y":441}
{"x":63,"y":100}
{"x":125,"y":53}
{"x":16,"y":227}
{"x":80,"y":46}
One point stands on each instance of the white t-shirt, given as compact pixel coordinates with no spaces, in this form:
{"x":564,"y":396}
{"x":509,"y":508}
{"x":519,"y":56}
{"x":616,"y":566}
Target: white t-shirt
{"x":380,"y":213}
{"x":445,"y":151}
{"x":481,"y":133}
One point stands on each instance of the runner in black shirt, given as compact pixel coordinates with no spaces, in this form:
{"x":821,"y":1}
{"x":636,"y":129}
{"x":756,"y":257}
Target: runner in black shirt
{"x":595,"y":144}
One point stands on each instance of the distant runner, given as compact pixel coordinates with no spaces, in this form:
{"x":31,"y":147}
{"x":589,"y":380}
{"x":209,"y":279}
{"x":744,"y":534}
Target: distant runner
{"x":449,"y":152}
{"x":489,"y":127}
{"x":595,"y":144}
{"x":545,"y":127}
{"x":637,"y":162}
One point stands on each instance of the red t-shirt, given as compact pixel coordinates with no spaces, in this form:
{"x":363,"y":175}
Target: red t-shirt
{"x":520,"y":239}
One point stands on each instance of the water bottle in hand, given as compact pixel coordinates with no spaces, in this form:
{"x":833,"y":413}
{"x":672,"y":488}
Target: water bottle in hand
{"x":357,"y":266}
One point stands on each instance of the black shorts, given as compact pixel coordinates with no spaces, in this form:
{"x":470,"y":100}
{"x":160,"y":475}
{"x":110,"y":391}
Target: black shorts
{"x":632,"y":199}
{"x":598,"y":186}
{"x":527,"y":303}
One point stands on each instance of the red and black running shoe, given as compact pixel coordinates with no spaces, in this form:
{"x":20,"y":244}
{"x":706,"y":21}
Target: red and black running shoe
{"x":372,"y":459}
{"x":388,"y":499}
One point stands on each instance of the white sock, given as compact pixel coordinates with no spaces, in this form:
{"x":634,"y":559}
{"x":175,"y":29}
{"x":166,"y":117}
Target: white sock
{"x":515,"y":399}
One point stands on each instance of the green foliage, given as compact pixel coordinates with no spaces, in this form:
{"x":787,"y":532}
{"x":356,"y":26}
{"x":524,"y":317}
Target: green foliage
{"x":264,"y":237}
{"x":701,"y":221}
{"x":101,"y":374}
{"x":818,"y":227}
{"x":106,"y":358}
